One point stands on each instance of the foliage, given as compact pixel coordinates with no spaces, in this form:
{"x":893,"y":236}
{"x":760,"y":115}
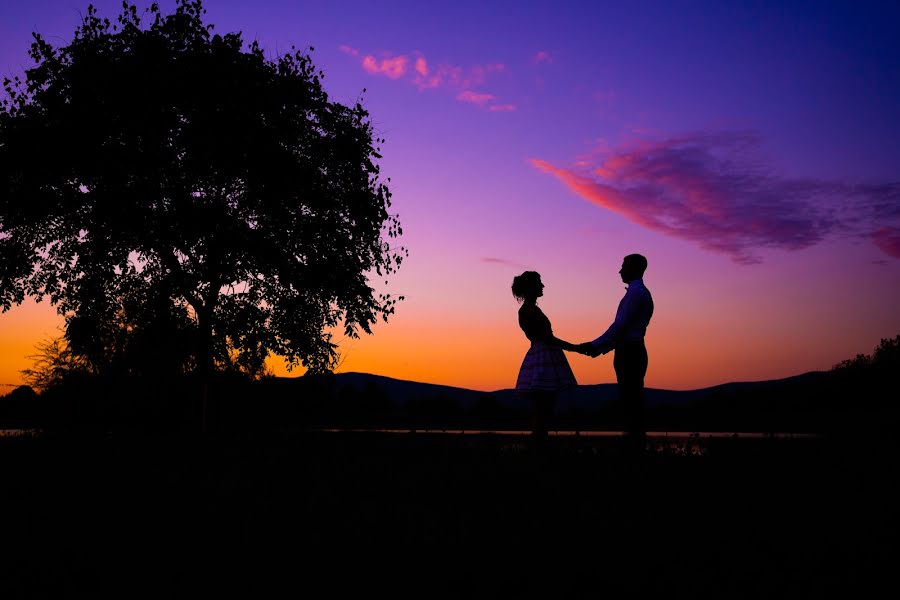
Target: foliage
{"x":867,"y":385}
{"x":177,"y":195}
{"x":884,"y":360}
{"x":53,"y":364}
{"x":23,"y":392}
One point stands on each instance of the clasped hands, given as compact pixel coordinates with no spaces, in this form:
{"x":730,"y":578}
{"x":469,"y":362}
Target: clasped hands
{"x":587,"y":349}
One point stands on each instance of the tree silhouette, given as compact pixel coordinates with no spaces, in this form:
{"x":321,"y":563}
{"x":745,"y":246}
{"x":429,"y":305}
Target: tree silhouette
{"x":170,"y":190}
{"x":53,"y":364}
{"x":884,"y":360}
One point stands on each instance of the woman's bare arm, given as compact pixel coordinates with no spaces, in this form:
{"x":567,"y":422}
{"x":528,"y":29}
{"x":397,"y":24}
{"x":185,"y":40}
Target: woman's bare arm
{"x":533,"y":325}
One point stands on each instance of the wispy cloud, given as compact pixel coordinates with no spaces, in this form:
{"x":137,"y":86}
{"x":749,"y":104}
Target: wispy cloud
{"x":888,"y":240}
{"x":542,"y":56}
{"x":422,"y":67}
{"x":416,"y":69}
{"x":711,"y":189}
{"x":491,"y":260}
{"x":474,"y":97}
{"x":393,"y":68}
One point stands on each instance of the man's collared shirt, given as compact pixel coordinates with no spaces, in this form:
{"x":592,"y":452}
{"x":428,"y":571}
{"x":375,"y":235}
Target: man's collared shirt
{"x":632,"y":318}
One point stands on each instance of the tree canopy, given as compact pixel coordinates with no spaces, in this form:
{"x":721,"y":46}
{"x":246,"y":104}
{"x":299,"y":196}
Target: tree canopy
{"x":187,"y":203}
{"x":883,"y":362}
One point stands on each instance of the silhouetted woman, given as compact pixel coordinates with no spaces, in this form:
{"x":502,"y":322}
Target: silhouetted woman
{"x":545,"y":370}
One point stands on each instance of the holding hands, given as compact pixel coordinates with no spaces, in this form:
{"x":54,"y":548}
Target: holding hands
{"x":588,"y":349}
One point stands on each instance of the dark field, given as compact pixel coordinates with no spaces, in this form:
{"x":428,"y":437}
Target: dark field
{"x":327,"y":514}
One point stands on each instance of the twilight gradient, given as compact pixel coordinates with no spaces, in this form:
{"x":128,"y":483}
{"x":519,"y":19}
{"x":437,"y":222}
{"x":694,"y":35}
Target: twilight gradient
{"x":750,"y":152}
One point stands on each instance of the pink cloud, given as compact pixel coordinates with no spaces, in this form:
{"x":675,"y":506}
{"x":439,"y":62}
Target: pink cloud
{"x":502,"y":262}
{"x":708,"y":189}
{"x":478,"y":74}
{"x":392,"y":68}
{"x":542,"y":56}
{"x":474,"y":97}
{"x":453,"y":76}
{"x":441,"y":75}
{"x":422,"y":67}
{"x":888,"y":240}
{"x":418,"y":71}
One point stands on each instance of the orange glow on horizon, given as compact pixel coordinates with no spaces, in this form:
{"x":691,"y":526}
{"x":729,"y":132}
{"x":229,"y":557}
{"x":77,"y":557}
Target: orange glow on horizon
{"x":743,"y":325}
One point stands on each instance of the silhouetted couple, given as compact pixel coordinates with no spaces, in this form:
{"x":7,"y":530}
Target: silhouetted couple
{"x":545,"y":370}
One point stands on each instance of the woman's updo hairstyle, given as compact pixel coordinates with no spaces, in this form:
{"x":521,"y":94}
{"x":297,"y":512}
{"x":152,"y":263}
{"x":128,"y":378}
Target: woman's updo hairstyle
{"x":526,"y":285}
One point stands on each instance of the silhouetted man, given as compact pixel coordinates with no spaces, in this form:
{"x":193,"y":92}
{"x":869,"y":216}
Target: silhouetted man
{"x":626,"y":337}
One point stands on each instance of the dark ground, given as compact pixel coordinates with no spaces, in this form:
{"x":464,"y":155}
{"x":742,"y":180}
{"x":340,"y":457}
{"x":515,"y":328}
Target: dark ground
{"x":443,"y":515}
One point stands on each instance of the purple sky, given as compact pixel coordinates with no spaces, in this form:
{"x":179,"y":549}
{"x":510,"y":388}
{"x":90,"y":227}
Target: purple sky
{"x":752,"y":153}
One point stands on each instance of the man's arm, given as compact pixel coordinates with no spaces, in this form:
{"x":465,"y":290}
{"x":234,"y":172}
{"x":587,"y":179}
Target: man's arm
{"x":587,"y":348}
{"x":607,"y":341}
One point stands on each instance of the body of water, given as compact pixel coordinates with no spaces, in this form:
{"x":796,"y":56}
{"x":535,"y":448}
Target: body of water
{"x":676,"y":435}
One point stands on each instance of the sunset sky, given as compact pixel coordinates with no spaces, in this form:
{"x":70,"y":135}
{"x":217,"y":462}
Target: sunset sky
{"x":751,"y":151}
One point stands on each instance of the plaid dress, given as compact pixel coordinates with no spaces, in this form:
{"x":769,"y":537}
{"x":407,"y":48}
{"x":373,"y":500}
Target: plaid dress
{"x":545,"y":367}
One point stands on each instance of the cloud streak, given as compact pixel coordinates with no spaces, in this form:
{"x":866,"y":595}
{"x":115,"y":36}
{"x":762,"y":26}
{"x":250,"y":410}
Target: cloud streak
{"x":392,"y":68}
{"x":491,"y":260}
{"x":474,"y":97}
{"x":710,"y":189}
{"x":424,"y":75}
{"x":888,"y":240}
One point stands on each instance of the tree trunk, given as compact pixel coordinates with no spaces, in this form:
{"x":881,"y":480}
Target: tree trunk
{"x":205,"y":363}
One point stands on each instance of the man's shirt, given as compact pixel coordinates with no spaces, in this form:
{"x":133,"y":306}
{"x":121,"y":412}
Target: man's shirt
{"x":632,"y":318}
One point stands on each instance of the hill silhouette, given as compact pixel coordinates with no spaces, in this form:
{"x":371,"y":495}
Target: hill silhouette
{"x":855,"y":397}
{"x":804,"y":403}
{"x":789,"y":404}
{"x":585,"y":397}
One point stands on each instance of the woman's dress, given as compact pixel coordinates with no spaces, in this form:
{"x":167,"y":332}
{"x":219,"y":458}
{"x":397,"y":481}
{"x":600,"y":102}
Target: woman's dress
{"x":545,"y":367}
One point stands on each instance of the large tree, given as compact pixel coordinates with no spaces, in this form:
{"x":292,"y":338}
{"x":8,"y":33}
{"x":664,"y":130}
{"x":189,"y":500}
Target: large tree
{"x":161,"y":182}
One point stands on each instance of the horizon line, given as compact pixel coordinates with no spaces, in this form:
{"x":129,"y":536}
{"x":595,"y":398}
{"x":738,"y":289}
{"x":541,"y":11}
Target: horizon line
{"x":577,"y":386}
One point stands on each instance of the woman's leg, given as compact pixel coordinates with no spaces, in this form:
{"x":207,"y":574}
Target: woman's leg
{"x":544,"y":403}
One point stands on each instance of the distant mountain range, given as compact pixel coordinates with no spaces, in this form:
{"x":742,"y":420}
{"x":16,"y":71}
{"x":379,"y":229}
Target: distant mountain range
{"x":857,"y":396}
{"x":584,"y":397}
{"x":807,"y":402}
{"x":812,"y":402}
